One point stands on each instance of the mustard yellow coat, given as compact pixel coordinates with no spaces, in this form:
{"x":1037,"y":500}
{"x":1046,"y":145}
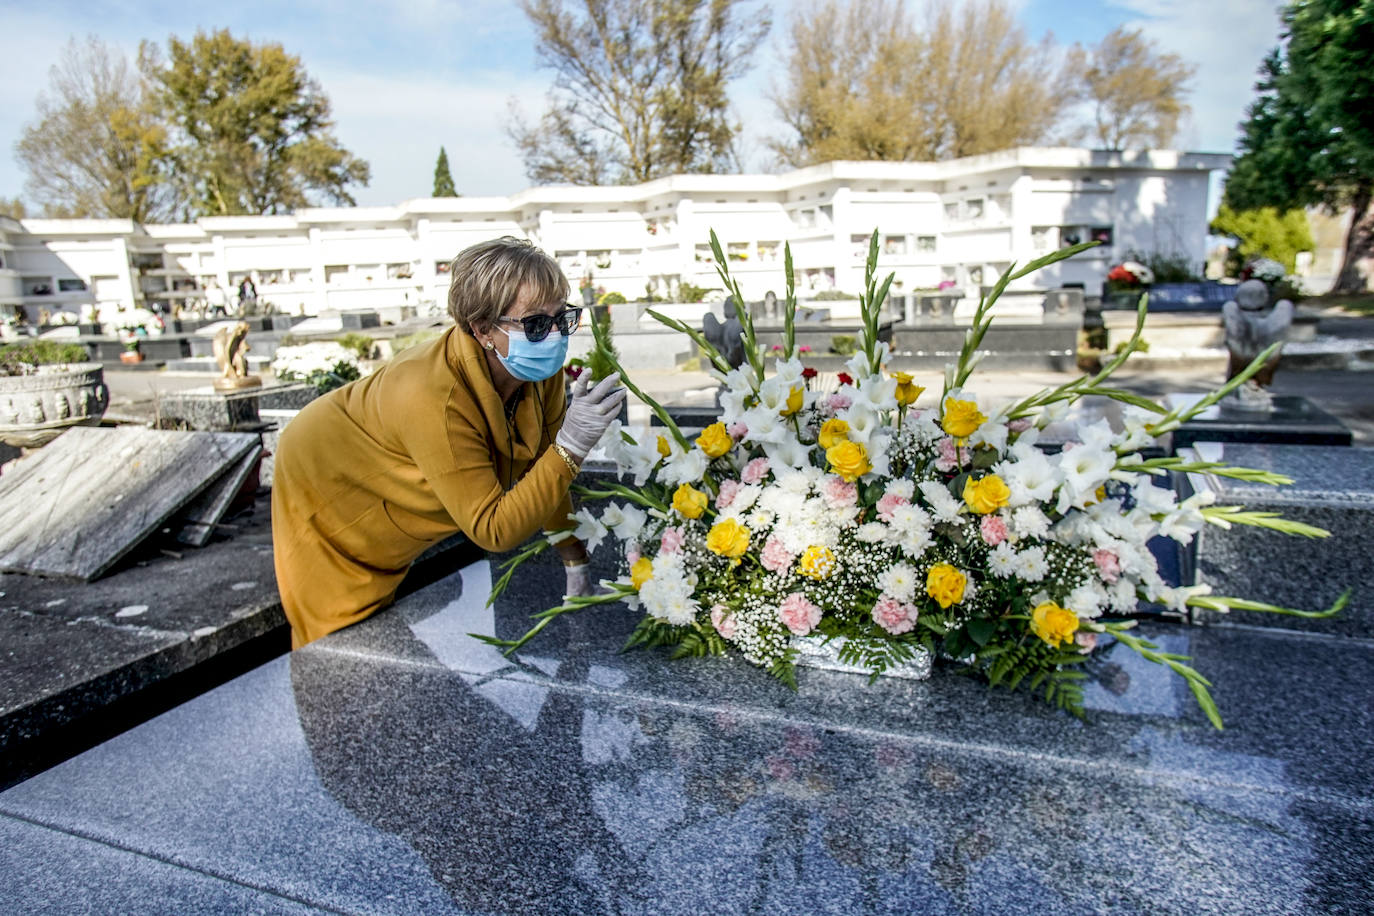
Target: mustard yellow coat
{"x":368,"y":476}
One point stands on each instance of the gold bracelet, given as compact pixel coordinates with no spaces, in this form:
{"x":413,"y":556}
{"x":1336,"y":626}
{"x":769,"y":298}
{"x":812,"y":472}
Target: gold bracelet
{"x":567,"y":459}
{"x":571,"y":564}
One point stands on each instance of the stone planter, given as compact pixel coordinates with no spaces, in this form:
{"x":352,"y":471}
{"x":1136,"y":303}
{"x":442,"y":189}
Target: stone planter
{"x":35,"y":409}
{"x":815,"y":652}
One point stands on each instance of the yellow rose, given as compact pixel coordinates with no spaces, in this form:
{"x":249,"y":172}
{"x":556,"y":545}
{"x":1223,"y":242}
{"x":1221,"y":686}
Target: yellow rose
{"x":833,"y":432}
{"x":987,"y":495}
{"x":945,"y":584}
{"x":794,"y":402}
{"x":689,"y":501}
{"x":817,"y":562}
{"x":664,"y":448}
{"x":849,"y":460}
{"x":961,"y":418}
{"x":715,"y":441}
{"x":728,"y":539}
{"x":907,"y":393}
{"x":641,"y":572}
{"x":1053,"y":623}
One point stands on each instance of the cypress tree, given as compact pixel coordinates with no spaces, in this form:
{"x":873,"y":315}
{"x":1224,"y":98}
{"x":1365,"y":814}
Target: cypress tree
{"x":443,"y":181}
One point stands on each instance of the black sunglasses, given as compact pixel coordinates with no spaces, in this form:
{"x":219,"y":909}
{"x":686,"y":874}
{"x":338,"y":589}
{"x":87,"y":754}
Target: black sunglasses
{"x":537,"y":327}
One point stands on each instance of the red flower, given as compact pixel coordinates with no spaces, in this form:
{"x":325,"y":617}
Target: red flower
{"x":573,"y":371}
{"x":808,"y":373}
{"x":1120,"y":274}
{"x":845,"y":379}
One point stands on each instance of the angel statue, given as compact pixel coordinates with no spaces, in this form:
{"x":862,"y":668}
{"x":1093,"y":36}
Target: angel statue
{"x":231,"y":355}
{"x":1251,"y":326}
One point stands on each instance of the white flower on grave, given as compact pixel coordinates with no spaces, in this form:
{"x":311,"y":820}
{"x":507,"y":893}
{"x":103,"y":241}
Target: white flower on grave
{"x":684,"y":466}
{"x":899,"y":581}
{"x":638,"y":458}
{"x":1030,"y":565}
{"x":788,"y":453}
{"x":1187,"y":520}
{"x":1085,"y":468}
{"x":626,"y":521}
{"x":1030,"y":477}
{"x":864,"y":423}
{"x":941,"y":502}
{"x":766,"y":426}
{"x":589,"y":529}
{"x":789,"y":372}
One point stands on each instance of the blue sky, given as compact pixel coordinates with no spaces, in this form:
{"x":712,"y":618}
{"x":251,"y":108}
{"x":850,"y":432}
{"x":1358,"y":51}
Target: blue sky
{"x":406,"y":76}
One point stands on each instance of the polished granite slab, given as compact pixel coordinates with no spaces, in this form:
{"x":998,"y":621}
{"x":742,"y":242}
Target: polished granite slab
{"x":401,"y":766}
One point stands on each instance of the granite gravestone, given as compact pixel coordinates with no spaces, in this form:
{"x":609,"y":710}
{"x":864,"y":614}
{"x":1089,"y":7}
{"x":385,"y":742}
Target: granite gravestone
{"x":74,"y":508}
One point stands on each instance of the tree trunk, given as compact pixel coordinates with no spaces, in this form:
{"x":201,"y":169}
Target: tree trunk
{"x":1359,"y":246}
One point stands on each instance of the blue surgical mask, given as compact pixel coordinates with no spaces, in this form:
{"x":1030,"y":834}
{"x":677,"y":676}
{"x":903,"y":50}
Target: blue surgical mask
{"x":534,"y":362}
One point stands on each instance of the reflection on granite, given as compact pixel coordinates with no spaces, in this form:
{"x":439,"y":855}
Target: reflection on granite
{"x":402,"y":766}
{"x":1293,"y":421}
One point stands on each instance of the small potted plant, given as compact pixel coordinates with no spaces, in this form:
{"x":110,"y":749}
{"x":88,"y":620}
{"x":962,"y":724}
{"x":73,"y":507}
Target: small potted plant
{"x":133,"y":353}
{"x":46,"y":387}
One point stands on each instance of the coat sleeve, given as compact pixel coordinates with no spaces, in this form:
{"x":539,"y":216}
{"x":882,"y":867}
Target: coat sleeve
{"x":464,"y":477}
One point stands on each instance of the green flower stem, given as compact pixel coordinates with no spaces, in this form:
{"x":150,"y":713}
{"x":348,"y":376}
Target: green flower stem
{"x":1225,"y":603}
{"x":617,"y":592}
{"x":789,"y":307}
{"x":510,"y":566}
{"x":698,"y":338}
{"x":1146,"y":649}
{"x":746,"y":321}
{"x":1178,"y":416}
{"x":603,"y":346}
{"x":1157,"y":466}
{"x":611,"y":490}
{"x":1226,"y":516}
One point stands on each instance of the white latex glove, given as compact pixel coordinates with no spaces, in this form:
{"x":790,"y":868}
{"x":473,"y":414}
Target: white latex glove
{"x":579,"y":581}
{"x":590,"y":412}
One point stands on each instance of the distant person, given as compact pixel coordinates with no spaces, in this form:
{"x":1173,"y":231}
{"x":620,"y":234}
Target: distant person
{"x":471,"y":432}
{"x":248,"y":295}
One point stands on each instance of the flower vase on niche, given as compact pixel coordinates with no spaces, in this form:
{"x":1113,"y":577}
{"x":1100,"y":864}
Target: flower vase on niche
{"x":132,"y":353}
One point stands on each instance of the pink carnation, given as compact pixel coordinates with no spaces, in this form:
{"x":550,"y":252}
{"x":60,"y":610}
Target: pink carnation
{"x":840,"y":402}
{"x":671,"y":542}
{"x":893,"y":616}
{"x":632,"y":554}
{"x":755,"y":471}
{"x":738,"y":431}
{"x":840,"y":493}
{"x":775,"y":557}
{"x":724,"y":622}
{"x":1086,"y":640}
{"x":799,"y":615}
{"x":729,"y":489}
{"x":890,"y":503}
{"x":1108,"y":564}
{"x":994,"y":529}
{"x":950,"y":456}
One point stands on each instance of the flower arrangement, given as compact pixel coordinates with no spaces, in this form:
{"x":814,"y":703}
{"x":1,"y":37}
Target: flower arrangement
{"x":325,"y":365}
{"x":1266,"y":269}
{"x":1130,"y":274}
{"x":894,"y":526}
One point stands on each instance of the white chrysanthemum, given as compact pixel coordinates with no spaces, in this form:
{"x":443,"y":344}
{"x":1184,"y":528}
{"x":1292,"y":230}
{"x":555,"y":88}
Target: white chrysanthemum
{"x":942,"y":503}
{"x":760,"y":520}
{"x":899,"y":581}
{"x":910,"y":519}
{"x":871,"y":532}
{"x":746,"y":497}
{"x":913,"y":542}
{"x":1121,"y":596}
{"x":1086,"y":600}
{"x":1002,"y":561}
{"x":903,"y":487}
{"x":1030,"y":564}
{"x":1029,"y":522}
{"x":793,"y":480}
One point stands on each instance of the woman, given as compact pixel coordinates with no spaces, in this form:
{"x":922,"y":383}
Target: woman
{"x":466,"y":433}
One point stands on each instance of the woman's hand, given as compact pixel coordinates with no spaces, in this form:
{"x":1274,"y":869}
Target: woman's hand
{"x":590,"y":412}
{"x":579,"y":581}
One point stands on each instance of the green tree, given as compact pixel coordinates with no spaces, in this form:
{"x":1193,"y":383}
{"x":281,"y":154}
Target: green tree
{"x":251,"y":129}
{"x":639,"y":88}
{"x":1266,"y":233}
{"x":1136,"y":91}
{"x":97,"y":147}
{"x":1308,"y":138}
{"x":443,"y":179}
{"x":866,"y":81}
{"x":13,"y":207}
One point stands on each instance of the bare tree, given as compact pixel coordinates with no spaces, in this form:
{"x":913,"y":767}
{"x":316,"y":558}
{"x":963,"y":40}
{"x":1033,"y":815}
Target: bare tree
{"x":96,"y":147}
{"x":866,"y":81}
{"x":639,"y":88}
{"x":1136,"y":91}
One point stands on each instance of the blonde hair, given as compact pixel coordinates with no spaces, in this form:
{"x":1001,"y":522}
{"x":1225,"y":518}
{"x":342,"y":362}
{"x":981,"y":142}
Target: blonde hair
{"x":487,"y":278}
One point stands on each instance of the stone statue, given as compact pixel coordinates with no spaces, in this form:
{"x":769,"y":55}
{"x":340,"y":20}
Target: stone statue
{"x":231,"y":355}
{"x":770,"y":306}
{"x":725,"y":336}
{"x":1251,"y":326}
